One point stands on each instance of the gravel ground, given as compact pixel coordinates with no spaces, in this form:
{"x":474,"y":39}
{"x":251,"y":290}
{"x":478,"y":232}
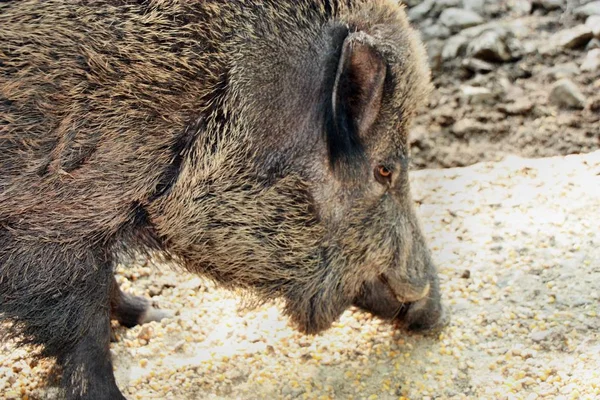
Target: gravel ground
{"x":517,"y":247}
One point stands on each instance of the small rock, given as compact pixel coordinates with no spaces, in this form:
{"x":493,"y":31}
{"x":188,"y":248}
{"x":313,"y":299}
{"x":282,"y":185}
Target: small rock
{"x":573,"y":38}
{"x":419,"y":12}
{"x":464,"y":127}
{"x":426,"y":23}
{"x":540,"y":336}
{"x":475,"y":31}
{"x":436,"y":31}
{"x":179,"y":346}
{"x":466,"y":274}
{"x":441,"y":5}
{"x":522,"y":7}
{"x":444,"y":119}
{"x":146,"y":333}
{"x":478,"y":66}
{"x":530,"y":47}
{"x":566,"y":94}
{"x":477,"y":95}
{"x":595,"y":105}
{"x":453,"y":47}
{"x":155,"y":290}
{"x":521,"y":71}
{"x":489,"y":46}
{"x":515,"y":48}
{"x":560,"y":71}
{"x":519,"y":107}
{"x":592,"y":8}
{"x":474,"y":5}
{"x":593,"y":21}
{"x":592,"y":61}
{"x":192,"y":283}
{"x":549,"y":4}
{"x":593,"y":44}
{"x":459,"y":18}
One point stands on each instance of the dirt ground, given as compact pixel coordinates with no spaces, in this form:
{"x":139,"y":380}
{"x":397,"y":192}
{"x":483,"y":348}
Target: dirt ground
{"x":516,"y":241}
{"x":516,"y":115}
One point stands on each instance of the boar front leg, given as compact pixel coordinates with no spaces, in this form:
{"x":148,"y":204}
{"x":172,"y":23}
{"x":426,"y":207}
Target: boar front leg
{"x":58,"y":296}
{"x":87,"y":368}
{"x":86,"y":362}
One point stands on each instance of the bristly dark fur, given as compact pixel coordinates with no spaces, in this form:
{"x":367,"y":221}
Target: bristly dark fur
{"x":214,"y":134}
{"x":179,"y":149}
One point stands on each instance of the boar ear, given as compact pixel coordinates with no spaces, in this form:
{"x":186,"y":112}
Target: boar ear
{"x":356,"y":97}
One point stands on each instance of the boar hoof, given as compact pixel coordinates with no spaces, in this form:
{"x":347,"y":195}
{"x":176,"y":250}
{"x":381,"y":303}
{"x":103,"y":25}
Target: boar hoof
{"x":155,"y":314}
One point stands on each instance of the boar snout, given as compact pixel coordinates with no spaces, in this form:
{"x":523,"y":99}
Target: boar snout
{"x":417,"y":309}
{"x":425,"y":315}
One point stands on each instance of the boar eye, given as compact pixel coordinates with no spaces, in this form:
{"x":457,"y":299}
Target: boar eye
{"x":383,"y":175}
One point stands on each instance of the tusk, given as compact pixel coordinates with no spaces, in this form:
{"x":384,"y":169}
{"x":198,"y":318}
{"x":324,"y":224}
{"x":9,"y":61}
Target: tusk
{"x":411,"y":298}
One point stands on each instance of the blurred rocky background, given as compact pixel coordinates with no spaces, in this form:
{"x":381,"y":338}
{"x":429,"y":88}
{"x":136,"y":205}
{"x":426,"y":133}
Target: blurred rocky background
{"x":512,"y":77}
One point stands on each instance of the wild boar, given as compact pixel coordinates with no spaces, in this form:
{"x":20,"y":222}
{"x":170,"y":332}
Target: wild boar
{"x":259,"y":143}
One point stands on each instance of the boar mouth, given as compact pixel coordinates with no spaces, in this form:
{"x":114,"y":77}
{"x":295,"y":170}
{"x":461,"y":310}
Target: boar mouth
{"x":415,"y":310}
{"x":378,"y":298}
